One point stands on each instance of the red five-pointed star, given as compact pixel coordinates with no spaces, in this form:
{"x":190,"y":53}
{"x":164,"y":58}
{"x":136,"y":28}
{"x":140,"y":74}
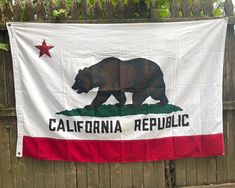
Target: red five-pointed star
{"x":44,"y":49}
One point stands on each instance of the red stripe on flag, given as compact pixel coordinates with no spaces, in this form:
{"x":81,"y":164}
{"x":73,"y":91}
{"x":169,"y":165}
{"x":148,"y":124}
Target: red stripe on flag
{"x":123,"y":151}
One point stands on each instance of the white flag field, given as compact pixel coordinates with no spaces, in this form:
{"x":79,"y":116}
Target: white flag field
{"x":118,"y":92}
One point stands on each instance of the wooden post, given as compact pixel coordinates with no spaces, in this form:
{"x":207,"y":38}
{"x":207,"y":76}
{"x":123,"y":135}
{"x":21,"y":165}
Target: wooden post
{"x":40,"y":11}
{"x":185,"y":7}
{"x":208,"y":8}
{"x":153,"y":10}
{"x":174,"y":8}
{"x":196,"y":8}
{"x":17,"y":9}
{"x":228,"y":8}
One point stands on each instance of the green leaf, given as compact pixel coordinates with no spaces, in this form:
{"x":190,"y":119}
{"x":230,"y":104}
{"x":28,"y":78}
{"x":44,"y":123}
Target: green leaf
{"x":59,"y":13}
{"x":3,"y":47}
{"x":163,"y":13}
{"x":217,"y":12}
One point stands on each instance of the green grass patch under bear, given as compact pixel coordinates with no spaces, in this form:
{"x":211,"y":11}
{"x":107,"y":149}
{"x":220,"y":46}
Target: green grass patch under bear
{"x":112,"y":110}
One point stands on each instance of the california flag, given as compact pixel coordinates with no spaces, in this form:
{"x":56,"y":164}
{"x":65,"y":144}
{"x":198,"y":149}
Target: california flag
{"x":118,"y":92}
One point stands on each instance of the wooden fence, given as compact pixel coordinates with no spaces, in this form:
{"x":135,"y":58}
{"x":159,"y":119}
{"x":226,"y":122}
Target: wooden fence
{"x":29,"y":173}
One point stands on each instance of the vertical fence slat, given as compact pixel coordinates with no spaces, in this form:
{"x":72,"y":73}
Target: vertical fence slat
{"x":228,"y":7}
{"x":180,"y":170}
{"x":154,"y":10}
{"x":230,"y":145}
{"x":29,"y":11}
{"x":85,"y":9}
{"x":38,"y":177}
{"x":120,"y":10}
{"x":52,"y":7}
{"x":98,"y":12}
{"x":40,"y":11}
{"x":9,"y":74}
{"x":3,"y":86}
{"x":49,"y":174}
{"x":81,"y":174}
{"x":211,"y":170}
{"x":148,"y":175}
{"x":70,"y":174}
{"x":130,"y":9}
{"x":92,"y":175}
{"x":1,"y":15}
{"x":59,"y":174}
{"x":159,"y":174}
{"x":137,"y":174}
{"x":7,"y":11}
{"x":208,"y":7}
{"x":108,"y":9}
{"x":104,"y":175}
{"x":174,"y":8}
{"x":230,"y":66}
{"x":17,"y":9}
{"x":126,"y":175}
{"x":185,"y":8}
{"x":221,"y":161}
{"x":75,"y":10}
{"x":142,"y":9}
{"x":27,"y":168}
{"x":196,"y":8}
{"x":6,"y":168}
{"x":201,"y":171}
{"x":15,"y":162}
{"x":115,"y":175}
{"x":230,"y":96}
{"x":191,"y":174}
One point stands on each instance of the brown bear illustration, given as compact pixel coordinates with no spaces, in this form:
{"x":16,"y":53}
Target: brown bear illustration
{"x":113,"y":76}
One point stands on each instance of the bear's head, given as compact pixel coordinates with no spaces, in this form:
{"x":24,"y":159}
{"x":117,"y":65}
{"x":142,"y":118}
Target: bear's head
{"x":83,"y":81}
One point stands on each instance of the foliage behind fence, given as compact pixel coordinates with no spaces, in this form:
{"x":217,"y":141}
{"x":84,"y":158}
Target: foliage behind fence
{"x":43,"y":10}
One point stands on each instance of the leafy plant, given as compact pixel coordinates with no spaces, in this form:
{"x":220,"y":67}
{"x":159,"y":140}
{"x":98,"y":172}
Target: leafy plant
{"x":60,"y":13}
{"x":3,"y":47}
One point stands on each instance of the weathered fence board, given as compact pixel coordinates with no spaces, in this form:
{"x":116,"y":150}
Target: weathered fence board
{"x":137,"y":174}
{"x":159,"y":174}
{"x":104,"y":178}
{"x":6,"y":166}
{"x":59,"y":174}
{"x":82,"y":174}
{"x":221,"y":161}
{"x":126,"y":175}
{"x":115,"y":175}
